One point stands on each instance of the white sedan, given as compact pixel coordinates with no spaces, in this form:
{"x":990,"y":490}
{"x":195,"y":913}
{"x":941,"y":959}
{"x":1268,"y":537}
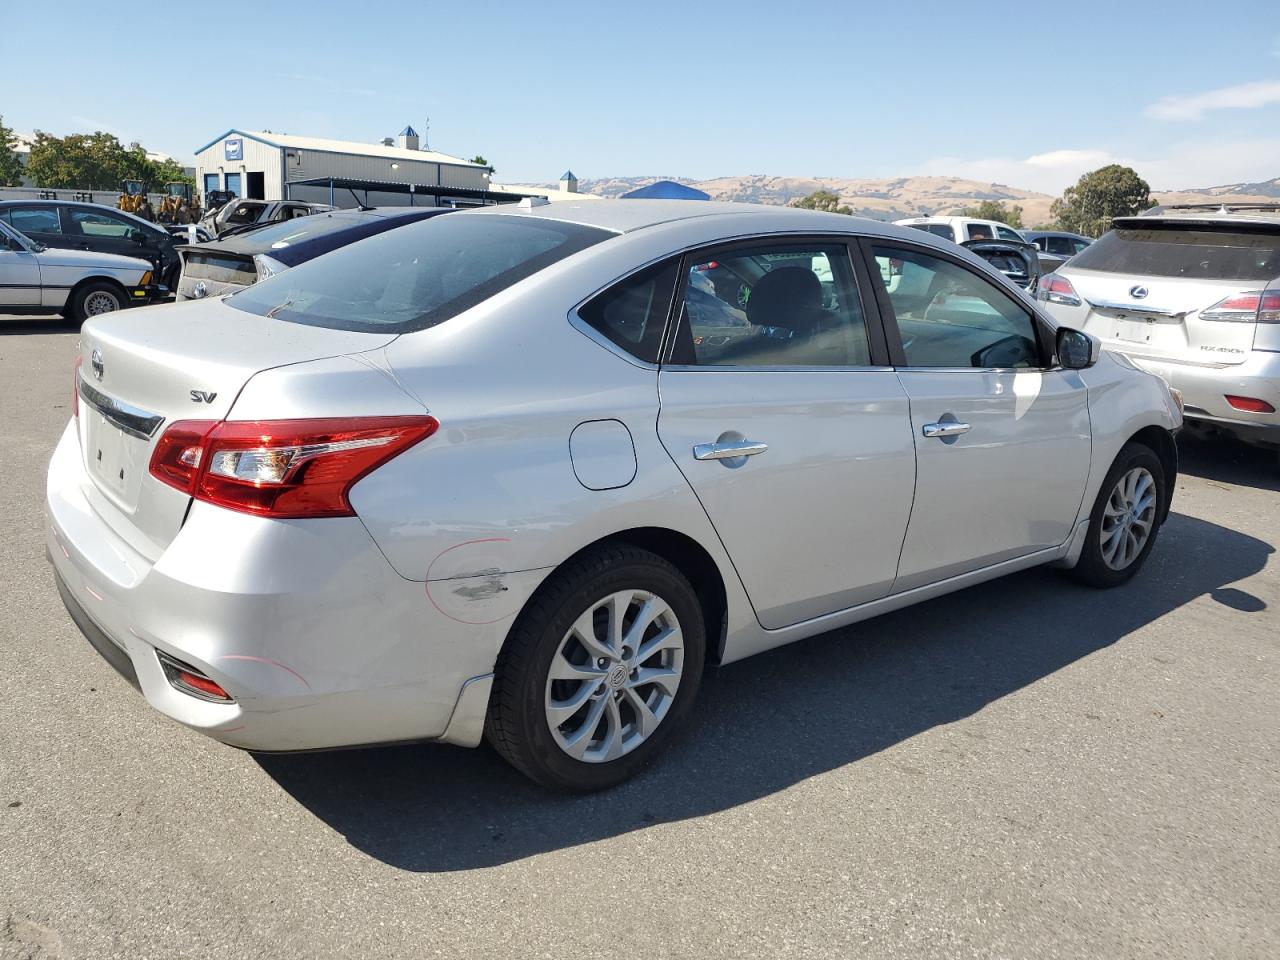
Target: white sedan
{"x":522,"y":471}
{"x":77,"y":284}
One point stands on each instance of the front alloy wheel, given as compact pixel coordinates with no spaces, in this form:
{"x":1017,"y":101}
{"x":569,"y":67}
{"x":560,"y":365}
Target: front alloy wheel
{"x":1128,"y":518}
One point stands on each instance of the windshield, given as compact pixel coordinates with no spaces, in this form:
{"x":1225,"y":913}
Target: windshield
{"x":417,"y":276}
{"x":1201,"y":253}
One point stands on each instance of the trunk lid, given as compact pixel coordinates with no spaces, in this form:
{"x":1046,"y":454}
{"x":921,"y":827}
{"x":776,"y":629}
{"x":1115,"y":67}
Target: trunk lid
{"x":142,"y":370}
{"x":1150,"y":286}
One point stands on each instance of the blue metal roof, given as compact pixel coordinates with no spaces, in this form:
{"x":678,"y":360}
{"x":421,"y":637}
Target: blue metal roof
{"x":408,"y":132}
{"x":568,"y":175}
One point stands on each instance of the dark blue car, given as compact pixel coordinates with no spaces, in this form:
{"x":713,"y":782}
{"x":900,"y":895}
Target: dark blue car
{"x":231,"y":264}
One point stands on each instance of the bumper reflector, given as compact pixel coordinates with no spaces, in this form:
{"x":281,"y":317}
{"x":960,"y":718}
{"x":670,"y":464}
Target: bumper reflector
{"x":189,"y":680}
{"x":1250,"y":404}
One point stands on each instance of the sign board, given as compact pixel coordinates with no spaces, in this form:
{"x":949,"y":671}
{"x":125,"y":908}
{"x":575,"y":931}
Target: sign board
{"x":234,"y":148}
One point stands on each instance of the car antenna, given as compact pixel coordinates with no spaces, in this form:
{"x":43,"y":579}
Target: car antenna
{"x":359,"y":205}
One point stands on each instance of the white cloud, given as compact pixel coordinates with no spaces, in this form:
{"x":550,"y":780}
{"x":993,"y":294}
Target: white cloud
{"x":1178,"y":166}
{"x":1246,"y":96}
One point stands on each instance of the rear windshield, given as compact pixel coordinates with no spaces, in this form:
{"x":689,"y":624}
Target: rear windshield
{"x":938,"y":229}
{"x":1197,"y":253}
{"x":417,"y":276}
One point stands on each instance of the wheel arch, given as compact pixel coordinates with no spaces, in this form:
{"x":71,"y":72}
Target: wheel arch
{"x":98,"y":278}
{"x":686,"y":555}
{"x":1161,"y":442}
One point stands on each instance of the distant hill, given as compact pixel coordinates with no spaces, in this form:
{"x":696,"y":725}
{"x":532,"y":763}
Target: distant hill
{"x":900,"y":197}
{"x":890,"y":199}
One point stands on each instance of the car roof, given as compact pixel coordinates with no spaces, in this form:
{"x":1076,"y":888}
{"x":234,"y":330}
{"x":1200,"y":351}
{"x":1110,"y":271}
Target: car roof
{"x":250,"y":241}
{"x":626,"y":216}
{"x":81,"y":203}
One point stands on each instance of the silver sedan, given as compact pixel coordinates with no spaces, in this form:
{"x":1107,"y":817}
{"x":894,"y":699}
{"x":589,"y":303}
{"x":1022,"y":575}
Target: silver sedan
{"x":523,"y":471}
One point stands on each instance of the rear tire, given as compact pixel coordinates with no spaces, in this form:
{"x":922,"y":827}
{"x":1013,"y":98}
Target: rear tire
{"x":600,"y":670}
{"x":94,"y":299}
{"x":1126,"y":519}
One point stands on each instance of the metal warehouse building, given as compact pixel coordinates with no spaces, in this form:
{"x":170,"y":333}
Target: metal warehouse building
{"x":273,"y":166}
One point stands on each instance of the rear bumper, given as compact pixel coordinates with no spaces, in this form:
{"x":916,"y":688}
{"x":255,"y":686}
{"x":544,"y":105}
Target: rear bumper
{"x":320,"y":642}
{"x":1205,"y":389}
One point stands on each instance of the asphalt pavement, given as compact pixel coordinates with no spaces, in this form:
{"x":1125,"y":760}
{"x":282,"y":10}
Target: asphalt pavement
{"x":1026,"y":769}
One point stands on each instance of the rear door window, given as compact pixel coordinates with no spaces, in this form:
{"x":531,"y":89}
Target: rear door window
{"x":419,"y":275}
{"x":1201,"y":253}
{"x":1005,"y":233}
{"x":35,"y":219}
{"x":773,"y":305}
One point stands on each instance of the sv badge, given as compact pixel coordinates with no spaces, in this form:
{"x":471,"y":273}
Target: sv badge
{"x":200,"y":396}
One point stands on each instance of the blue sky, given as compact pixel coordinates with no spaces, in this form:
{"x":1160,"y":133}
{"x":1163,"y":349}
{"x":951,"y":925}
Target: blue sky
{"x":1028,"y":94}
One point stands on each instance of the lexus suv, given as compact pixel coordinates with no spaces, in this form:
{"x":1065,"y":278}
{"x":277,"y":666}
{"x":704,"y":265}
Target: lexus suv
{"x":1191,"y":293}
{"x":522,"y":471}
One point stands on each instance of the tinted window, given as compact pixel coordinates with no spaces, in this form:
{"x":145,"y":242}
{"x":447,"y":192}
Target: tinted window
{"x":34,"y":219}
{"x":1200,"y":252}
{"x":419,"y":275}
{"x":1004,"y":233}
{"x":1059,"y":246}
{"x":937,"y":229}
{"x":950,"y":317}
{"x":979,"y":231}
{"x":92,"y":223}
{"x":773,"y":305}
{"x":1077,"y":245}
{"x":633,"y":312}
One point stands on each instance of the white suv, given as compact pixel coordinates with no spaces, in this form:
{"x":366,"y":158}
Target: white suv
{"x":1191,"y":293}
{"x":960,"y":229}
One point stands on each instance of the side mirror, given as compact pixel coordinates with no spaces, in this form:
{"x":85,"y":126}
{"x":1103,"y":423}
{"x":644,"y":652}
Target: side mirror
{"x":1076,"y":349}
{"x":138,"y":237}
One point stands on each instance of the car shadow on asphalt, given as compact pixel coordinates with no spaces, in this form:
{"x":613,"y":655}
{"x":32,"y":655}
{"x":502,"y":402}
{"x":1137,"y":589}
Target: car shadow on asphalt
{"x":767,"y":723}
{"x":1227,"y":460}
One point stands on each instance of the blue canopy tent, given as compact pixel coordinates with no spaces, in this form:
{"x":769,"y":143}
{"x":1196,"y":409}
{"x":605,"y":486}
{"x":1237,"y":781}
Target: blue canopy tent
{"x":666,"y":190}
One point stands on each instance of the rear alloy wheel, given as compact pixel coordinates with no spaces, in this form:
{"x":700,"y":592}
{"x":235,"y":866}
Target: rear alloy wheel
{"x":95,"y":299}
{"x":1126,"y":519}
{"x":599,"y":671}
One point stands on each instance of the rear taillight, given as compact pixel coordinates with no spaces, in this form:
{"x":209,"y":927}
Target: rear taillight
{"x":1056,"y":289}
{"x":75,"y":386}
{"x":281,"y":468}
{"x":1249,"y":306}
{"x":1250,"y":404}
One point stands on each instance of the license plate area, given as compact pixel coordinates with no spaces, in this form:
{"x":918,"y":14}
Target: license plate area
{"x":1134,"y":330}
{"x":114,"y":459}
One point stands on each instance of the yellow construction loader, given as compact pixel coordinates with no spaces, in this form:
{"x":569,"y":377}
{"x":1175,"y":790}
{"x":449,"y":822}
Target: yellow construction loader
{"x":133,"y":199}
{"x":180,"y":205}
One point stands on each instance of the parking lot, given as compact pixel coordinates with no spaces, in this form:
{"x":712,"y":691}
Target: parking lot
{"x":1025,"y":769}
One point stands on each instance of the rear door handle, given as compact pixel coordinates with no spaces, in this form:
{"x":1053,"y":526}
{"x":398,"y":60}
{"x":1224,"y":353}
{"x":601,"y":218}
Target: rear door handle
{"x":947,"y":428}
{"x":728,"y":449}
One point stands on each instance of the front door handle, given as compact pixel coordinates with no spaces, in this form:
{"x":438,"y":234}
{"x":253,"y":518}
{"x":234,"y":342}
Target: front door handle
{"x":947,"y":428}
{"x":728,"y":449}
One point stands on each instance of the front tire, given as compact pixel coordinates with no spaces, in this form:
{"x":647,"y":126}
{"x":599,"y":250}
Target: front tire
{"x":94,"y":299}
{"x":1126,"y":518}
{"x":600,"y":670}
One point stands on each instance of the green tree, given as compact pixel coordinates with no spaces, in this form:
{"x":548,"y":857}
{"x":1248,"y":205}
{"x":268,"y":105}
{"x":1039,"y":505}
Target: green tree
{"x":1098,"y":197}
{"x":482,"y":161}
{"x":10,"y":165}
{"x":993,"y":210}
{"x":96,"y":161}
{"x":823,"y":200}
